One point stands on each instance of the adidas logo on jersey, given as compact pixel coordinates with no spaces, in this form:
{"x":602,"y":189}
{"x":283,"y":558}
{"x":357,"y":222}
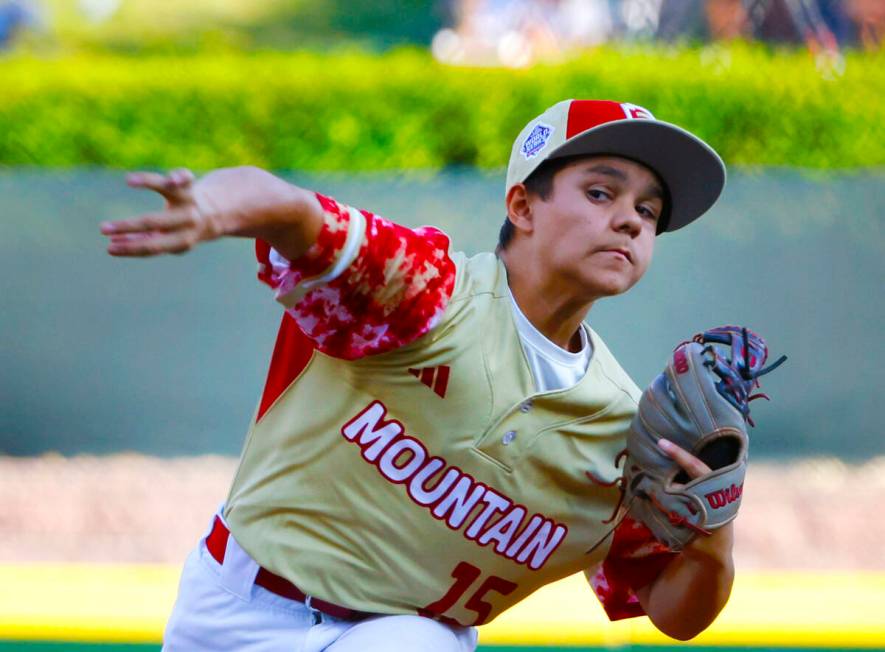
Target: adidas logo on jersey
{"x":436,"y":378}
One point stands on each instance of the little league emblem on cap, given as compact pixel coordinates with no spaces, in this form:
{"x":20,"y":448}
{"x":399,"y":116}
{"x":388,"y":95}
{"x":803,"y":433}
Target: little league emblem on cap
{"x":692,"y":172}
{"x":536,"y":140}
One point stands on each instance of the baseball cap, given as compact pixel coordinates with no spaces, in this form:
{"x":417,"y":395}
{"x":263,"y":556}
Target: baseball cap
{"x":693,"y":173}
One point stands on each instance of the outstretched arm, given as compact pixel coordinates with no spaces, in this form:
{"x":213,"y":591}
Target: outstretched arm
{"x":355,"y":283}
{"x":242,"y":201}
{"x":694,"y":587}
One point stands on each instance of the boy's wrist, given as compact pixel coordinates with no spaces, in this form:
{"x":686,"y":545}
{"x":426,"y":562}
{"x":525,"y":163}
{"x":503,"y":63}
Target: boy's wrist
{"x":248,"y":202}
{"x":714,"y":550}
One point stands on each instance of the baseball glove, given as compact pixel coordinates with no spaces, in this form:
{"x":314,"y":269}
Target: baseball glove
{"x":700,"y":402}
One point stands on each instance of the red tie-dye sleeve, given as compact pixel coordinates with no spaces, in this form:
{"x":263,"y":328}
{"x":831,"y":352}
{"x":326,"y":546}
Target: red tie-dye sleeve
{"x":634,"y":560}
{"x":394,"y":291}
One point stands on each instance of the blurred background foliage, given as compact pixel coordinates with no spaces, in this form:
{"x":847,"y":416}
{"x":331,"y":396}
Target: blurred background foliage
{"x":403,"y":110}
{"x":341,"y":85}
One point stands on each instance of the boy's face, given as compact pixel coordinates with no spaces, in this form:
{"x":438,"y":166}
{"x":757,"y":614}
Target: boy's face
{"x":597,"y":229}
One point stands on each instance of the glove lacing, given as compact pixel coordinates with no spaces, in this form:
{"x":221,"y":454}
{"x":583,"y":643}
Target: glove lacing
{"x":620,"y":482}
{"x":740,"y":374}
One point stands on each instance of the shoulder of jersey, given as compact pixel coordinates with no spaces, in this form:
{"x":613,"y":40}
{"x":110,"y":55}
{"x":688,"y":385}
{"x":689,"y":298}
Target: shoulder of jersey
{"x":612,"y":368}
{"x":483,"y":273}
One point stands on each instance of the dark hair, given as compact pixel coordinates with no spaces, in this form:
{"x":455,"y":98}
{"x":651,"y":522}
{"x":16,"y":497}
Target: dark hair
{"x":540,"y":183}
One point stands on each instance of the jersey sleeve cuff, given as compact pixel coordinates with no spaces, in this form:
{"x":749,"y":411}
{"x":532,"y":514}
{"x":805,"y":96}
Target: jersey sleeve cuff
{"x":635,"y":560}
{"x":337,"y":245}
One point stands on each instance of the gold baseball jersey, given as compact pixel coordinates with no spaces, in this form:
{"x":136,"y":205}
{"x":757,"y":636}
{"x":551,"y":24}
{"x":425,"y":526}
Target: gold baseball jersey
{"x":400,"y":460}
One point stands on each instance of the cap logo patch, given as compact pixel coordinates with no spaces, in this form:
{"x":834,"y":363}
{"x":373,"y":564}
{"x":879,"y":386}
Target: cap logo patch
{"x":634,"y":112}
{"x":536,"y":140}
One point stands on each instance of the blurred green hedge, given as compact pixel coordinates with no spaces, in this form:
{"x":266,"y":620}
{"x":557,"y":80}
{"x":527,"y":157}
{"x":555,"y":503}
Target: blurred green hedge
{"x":401,"y":110}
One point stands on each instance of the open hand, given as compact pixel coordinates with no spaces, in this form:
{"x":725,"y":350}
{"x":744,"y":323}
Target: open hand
{"x":186,"y":220}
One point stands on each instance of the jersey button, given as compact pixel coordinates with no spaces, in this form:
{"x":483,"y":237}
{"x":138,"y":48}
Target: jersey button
{"x":525,"y":406}
{"x":508,"y":437}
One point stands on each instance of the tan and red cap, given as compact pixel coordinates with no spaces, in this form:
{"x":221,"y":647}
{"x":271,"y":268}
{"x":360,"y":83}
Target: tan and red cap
{"x":692,"y":172}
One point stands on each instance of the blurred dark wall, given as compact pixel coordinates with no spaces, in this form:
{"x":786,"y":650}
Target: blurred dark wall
{"x":168,"y":356}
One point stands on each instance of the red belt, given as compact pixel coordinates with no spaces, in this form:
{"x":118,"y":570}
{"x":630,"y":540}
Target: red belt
{"x":216,"y":543}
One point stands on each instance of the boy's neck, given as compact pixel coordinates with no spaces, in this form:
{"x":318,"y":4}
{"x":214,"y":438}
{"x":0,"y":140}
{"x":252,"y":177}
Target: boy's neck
{"x":555,"y":312}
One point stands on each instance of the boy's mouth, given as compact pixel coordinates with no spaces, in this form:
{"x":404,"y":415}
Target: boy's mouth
{"x":625,"y":253}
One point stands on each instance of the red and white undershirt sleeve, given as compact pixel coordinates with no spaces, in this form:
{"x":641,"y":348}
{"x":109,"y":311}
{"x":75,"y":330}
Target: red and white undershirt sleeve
{"x":634,"y":560}
{"x":366,"y":286}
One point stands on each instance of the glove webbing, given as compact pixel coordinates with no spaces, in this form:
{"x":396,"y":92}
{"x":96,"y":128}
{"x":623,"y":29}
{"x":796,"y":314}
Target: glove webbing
{"x":740,"y":374}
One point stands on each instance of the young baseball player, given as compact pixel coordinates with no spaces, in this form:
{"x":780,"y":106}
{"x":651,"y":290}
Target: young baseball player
{"x":437,"y":436}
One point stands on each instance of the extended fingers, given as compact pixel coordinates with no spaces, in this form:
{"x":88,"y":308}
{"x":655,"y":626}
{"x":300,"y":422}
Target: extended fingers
{"x":175,"y":186}
{"x":175,"y":230}
{"x":140,"y":245}
{"x":166,"y":221}
{"x":694,"y":467}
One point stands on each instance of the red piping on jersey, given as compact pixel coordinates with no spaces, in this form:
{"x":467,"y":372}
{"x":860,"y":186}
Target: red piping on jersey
{"x":291,"y":354}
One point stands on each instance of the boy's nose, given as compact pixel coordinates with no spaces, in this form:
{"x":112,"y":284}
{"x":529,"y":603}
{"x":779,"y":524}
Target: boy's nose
{"x":627,"y":219}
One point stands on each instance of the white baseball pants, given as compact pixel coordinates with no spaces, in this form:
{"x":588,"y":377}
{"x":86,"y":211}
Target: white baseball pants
{"x":219,"y":608}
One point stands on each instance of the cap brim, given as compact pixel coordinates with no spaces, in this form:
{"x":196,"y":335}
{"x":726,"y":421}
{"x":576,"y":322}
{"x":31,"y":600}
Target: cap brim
{"x":693,"y":173}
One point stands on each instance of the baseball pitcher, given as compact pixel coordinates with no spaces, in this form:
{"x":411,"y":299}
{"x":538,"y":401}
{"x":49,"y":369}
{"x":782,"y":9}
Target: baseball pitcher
{"x":441,"y":435}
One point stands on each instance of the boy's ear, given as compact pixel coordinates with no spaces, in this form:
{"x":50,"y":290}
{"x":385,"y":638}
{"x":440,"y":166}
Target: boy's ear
{"x":519,"y":208}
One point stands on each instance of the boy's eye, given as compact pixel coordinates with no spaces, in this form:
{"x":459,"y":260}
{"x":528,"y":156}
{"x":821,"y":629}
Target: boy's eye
{"x":596,"y":193}
{"x":645,"y":211}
